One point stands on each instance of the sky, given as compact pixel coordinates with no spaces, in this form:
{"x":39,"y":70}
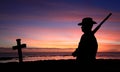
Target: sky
{"x":53,"y":23}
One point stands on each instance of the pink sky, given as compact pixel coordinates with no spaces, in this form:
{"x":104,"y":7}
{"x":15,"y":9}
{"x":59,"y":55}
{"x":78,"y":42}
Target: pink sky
{"x":46,"y":24}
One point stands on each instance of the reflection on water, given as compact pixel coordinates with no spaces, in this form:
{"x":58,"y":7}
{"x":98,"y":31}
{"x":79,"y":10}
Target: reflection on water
{"x":39,"y":58}
{"x":52,"y":58}
{"x":48,"y":58}
{"x":8,"y":55}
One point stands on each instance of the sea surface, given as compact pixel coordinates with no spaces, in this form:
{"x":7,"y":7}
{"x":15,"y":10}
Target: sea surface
{"x":34,"y":54}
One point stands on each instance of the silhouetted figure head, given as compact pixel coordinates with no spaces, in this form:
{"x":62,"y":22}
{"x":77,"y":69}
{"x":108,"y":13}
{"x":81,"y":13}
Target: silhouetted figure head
{"x":87,"y":24}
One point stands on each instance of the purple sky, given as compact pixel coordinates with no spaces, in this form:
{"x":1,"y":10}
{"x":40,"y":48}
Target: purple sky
{"x":53,"y":23}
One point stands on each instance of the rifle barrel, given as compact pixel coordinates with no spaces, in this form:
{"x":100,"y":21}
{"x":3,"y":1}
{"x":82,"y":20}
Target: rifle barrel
{"x":106,"y":18}
{"x":95,"y":30}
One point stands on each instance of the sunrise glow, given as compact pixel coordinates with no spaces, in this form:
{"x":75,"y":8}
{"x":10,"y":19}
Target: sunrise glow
{"x":52,"y":24}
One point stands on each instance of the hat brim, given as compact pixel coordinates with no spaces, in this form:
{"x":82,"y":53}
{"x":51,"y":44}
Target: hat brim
{"x":93,"y":22}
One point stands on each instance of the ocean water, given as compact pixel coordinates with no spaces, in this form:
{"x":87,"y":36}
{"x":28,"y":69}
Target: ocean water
{"x":34,"y":54}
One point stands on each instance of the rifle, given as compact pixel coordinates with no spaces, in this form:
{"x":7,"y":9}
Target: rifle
{"x":95,"y":30}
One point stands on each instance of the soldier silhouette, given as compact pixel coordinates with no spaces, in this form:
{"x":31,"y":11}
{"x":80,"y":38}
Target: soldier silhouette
{"x":88,"y":46}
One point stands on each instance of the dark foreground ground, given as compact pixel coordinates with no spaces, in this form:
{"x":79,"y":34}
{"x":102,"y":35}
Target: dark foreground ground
{"x":63,"y":65}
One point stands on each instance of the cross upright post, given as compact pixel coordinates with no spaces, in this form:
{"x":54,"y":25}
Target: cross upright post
{"x":19,"y":48}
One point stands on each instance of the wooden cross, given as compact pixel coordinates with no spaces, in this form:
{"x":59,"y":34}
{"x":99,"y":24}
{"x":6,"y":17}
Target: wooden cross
{"x":19,"y":48}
